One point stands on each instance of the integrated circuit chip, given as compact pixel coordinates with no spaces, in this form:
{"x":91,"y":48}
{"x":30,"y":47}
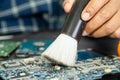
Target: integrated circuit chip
{"x":39,"y":68}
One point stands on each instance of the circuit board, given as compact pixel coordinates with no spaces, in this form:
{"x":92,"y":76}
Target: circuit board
{"x":39,"y":68}
{"x":6,"y":47}
{"x":32,"y":47}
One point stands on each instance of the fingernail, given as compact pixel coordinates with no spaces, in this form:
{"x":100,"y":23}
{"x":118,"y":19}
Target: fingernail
{"x":84,"y":33}
{"x":67,"y":5}
{"x":85,"y":16}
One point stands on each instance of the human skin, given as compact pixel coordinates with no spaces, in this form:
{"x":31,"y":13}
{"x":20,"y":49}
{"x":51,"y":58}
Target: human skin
{"x":103,"y":17}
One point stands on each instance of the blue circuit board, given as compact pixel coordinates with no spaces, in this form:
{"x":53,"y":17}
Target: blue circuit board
{"x":32,"y":47}
{"x":39,"y":68}
{"x":88,"y":54}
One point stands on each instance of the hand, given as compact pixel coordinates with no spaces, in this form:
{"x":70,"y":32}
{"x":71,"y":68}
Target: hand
{"x":103,"y":17}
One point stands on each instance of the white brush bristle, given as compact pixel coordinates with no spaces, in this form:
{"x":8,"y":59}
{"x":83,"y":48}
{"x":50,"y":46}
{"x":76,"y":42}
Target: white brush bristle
{"x":63,"y":50}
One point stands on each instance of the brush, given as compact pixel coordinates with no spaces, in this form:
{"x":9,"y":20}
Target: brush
{"x":64,"y":49}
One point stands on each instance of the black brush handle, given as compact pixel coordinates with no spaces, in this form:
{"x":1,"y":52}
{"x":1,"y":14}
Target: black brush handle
{"x":74,"y":25}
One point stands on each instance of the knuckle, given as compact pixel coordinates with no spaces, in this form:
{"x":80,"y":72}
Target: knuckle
{"x":91,"y":9}
{"x":104,"y":14}
{"x":116,"y":34}
{"x":108,"y":30}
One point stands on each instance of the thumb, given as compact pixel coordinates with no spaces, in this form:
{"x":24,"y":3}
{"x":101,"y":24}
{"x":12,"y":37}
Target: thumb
{"x":67,"y":4}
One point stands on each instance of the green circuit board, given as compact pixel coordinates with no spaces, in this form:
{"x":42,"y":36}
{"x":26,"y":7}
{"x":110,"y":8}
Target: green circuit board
{"x":6,"y":47}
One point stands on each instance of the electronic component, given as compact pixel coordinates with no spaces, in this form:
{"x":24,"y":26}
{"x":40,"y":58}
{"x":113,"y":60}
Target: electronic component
{"x":39,"y":68}
{"x":6,"y":47}
{"x":88,"y":53}
{"x":32,"y":47}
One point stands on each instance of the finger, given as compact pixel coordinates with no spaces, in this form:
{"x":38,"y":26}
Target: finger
{"x":101,"y":17}
{"x":92,"y":8}
{"x":116,"y":34}
{"x":67,"y":4}
{"x":111,"y":27}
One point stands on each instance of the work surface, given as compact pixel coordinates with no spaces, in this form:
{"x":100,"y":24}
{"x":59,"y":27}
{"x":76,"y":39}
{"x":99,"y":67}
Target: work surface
{"x":91,"y":64}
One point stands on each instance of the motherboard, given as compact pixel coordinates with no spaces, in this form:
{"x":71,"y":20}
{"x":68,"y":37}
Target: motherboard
{"x":7,"y":47}
{"x":39,"y":68}
{"x":32,"y":47}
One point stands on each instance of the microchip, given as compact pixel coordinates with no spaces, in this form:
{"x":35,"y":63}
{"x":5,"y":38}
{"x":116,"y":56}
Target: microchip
{"x":12,"y":64}
{"x":32,"y":47}
{"x":39,"y":68}
{"x":7,"y":47}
